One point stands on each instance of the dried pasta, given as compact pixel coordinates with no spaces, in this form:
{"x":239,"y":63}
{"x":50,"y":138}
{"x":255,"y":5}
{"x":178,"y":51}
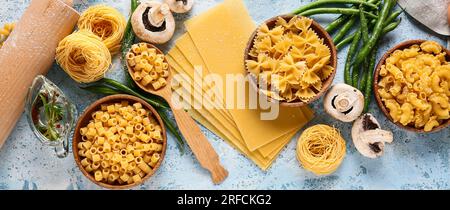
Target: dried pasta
{"x":321,"y":149}
{"x":149,"y":67}
{"x":290,"y":59}
{"x":83,"y":56}
{"x":5,"y":32}
{"x":120,"y":154}
{"x":105,"y":22}
{"x":414,"y":86}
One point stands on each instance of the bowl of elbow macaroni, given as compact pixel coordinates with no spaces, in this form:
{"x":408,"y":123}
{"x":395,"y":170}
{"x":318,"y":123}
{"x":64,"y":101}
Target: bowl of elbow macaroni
{"x":119,"y":142}
{"x":412,"y":85}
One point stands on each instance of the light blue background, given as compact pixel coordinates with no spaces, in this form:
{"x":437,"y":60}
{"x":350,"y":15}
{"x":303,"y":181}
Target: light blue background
{"x":412,"y":161}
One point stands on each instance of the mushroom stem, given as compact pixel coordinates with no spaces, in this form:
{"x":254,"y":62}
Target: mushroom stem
{"x":344,"y":102}
{"x":180,"y":3}
{"x":158,"y":14}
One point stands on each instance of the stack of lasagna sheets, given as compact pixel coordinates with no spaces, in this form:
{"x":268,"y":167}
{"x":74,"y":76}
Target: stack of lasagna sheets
{"x":216,"y":41}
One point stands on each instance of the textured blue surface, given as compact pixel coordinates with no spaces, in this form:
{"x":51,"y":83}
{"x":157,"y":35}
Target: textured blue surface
{"x":412,"y":161}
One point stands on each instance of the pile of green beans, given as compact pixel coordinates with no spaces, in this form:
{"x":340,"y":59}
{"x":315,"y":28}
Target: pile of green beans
{"x":361,"y":25}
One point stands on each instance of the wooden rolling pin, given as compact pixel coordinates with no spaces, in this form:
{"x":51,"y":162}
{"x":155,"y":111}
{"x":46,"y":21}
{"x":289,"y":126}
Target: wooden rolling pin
{"x":30,"y":51}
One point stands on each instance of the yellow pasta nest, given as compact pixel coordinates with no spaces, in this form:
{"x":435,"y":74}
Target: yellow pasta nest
{"x":290,"y":59}
{"x":5,"y":32}
{"x":105,"y":22}
{"x":149,"y":67}
{"x":414,"y":86}
{"x":83,"y":56}
{"x":321,"y":149}
{"x":121,"y":144}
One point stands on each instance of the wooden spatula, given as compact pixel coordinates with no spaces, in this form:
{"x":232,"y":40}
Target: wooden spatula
{"x":198,"y":143}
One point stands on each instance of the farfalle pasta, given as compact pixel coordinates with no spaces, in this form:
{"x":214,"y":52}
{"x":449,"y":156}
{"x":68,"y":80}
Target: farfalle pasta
{"x":414,"y":86}
{"x":290,"y":59}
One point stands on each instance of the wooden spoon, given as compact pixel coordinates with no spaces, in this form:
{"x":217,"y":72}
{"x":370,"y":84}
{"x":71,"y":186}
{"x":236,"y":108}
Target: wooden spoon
{"x":198,"y":143}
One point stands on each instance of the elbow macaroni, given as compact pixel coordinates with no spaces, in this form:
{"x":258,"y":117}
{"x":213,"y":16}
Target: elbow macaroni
{"x":148,"y":66}
{"x":414,"y":86}
{"x":112,"y":151}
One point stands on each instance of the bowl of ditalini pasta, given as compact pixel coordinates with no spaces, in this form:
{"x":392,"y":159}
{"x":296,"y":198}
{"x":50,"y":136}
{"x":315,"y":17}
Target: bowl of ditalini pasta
{"x":291,"y":59}
{"x":119,"y":142}
{"x":412,"y":85}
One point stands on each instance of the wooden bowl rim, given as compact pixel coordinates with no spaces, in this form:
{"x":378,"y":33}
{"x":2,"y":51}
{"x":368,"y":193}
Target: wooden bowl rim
{"x":86,"y":115}
{"x":401,"y":46}
{"x":322,"y":33}
{"x":150,"y":90}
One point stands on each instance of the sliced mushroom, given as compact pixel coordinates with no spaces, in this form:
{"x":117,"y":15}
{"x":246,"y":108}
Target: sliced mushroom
{"x":368,"y":138}
{"x":344,"y":102}
{"x":153,"y":22}
{"x":180,"y":6}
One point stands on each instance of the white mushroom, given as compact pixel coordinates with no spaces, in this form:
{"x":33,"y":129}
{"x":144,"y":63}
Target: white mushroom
{"x":153,"y":22}
{"x":344,"y":102}
{"x":368,"y":138}
{"x":180,"y":6}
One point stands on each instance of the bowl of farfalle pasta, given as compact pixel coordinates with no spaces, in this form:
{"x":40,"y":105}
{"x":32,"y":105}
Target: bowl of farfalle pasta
{"x":119,"y":142}
{"x":291,"y":59}
{"x":412,"y":85}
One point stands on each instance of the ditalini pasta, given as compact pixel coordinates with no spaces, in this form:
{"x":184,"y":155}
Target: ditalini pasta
{"x":5,"y":31}
{"x":290,"y":59}
{"x":121,"y":144}
{"x":148,"y":66}
{"x":414,"y":86}
{"x":105,"y":22}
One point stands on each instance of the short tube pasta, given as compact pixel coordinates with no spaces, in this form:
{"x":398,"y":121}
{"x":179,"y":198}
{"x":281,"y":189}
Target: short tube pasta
{"x":117,"y":143}
{"x":148,"y":66}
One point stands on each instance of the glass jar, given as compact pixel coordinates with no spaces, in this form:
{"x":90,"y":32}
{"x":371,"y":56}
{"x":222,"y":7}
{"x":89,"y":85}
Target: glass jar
{"x":51,"y":115}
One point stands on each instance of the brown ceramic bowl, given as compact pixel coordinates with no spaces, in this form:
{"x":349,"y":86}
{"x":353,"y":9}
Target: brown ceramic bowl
{"x":86,"y":117}
{"x":328,"y":41}
{"x":377,"y":78}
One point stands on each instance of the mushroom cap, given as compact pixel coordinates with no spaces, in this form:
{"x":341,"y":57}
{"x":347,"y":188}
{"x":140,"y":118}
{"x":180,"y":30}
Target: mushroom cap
{"x":180,"y":6}
{"x":368,"y":138}
{"x":141,"y":22}
{"x":344,"y":102}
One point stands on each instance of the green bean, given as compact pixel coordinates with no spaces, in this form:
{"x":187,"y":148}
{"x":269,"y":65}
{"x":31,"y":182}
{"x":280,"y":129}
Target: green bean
{"x":322,"y":2}
{"x":336,"y":23}
{"x":392,"y":17}
{"x":377,"y":32}
{"x":355,"y":75}
{"x":389,"y":27}
{"x":346,"y":11}
{"x":343,"y":31}
{"x":127,"y":42}
{"x":364,"y":25}
{"x":365,"y":38}
{"x":369,"y":81}
{"x":351,"y":53}
{"x":153,"y":101}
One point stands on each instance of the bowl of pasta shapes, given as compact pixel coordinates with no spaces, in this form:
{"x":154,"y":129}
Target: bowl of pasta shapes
{"x":291,"y":59}
{"x":119,"y":142}
{"x":148,"y":66}
{"x":411,"y":85}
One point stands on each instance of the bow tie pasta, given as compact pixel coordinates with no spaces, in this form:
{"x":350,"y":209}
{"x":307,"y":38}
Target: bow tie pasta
{"x":414,"y":86}
{"x":290,"y":59}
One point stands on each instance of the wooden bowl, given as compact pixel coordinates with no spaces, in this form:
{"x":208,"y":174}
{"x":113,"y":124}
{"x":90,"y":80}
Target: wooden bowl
{"x":328,"y":41}
{"x":377,"y":78}
{"x":86,"y":117}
